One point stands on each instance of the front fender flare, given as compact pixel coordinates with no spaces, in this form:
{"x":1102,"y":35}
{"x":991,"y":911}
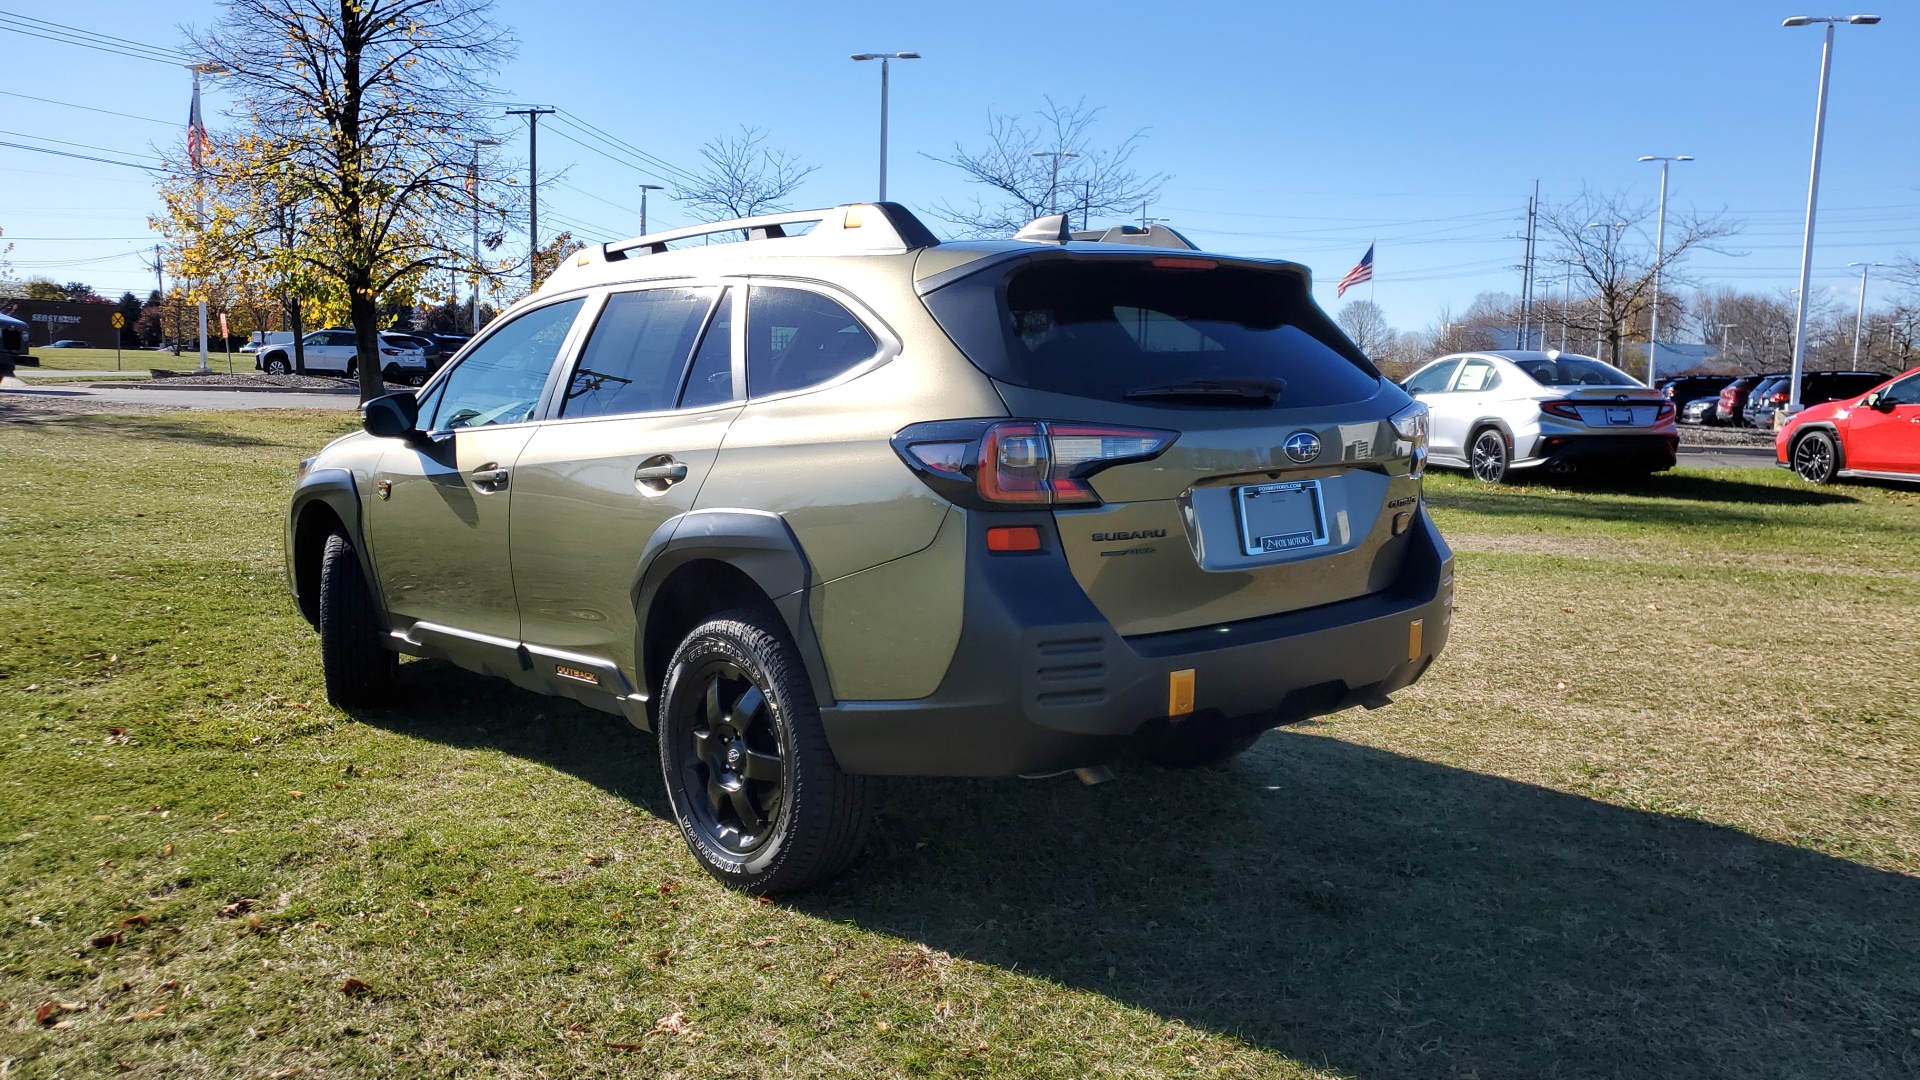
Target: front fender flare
{"x":336,"y":490}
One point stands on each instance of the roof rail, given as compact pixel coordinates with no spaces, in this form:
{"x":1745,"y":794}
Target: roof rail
{"x":849,"y":227}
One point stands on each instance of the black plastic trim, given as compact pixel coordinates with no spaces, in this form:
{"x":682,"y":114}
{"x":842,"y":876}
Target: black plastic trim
{"x":336,"y":489}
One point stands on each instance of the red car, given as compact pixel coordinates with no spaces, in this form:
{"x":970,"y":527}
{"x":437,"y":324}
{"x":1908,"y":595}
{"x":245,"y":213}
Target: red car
{"x":1873,"y":435}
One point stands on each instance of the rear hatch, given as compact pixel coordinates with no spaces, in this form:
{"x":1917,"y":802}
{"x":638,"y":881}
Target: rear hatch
{"x":1285,"y":476}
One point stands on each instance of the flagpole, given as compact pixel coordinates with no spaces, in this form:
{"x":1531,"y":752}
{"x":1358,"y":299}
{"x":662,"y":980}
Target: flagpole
{"x":1371,"y":244}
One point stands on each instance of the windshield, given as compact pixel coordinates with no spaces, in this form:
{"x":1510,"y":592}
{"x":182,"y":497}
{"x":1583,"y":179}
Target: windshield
{"x":1127,"y":330}
{"x":1574,"y":371}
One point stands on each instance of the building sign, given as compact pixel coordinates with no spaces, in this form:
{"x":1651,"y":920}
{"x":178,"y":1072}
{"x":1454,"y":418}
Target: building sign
{"x":41,"y":317}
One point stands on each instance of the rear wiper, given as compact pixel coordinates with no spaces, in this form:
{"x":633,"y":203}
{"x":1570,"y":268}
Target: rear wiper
{"x":1236,"y":391}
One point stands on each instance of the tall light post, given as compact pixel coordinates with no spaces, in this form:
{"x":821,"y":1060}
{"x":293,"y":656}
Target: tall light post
{"x":644,"y":188}
{"x":1053,"y":186}
{"x":1860,"y":314}
{"x":1813,"y":191}
{"x":1659,"y":260}
{"x":196,"y":137}
{"x":473,"y":194}
{"x":885,"y":59}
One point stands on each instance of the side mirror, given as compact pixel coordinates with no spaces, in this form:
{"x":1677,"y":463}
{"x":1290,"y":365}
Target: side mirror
{"x":393,"y":416}
{"x":1878,"y":402}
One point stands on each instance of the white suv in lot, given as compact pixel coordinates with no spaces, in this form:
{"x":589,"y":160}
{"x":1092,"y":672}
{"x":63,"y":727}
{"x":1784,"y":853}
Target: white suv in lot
{"x":1495,"y":412}
{"x":334,"y":352}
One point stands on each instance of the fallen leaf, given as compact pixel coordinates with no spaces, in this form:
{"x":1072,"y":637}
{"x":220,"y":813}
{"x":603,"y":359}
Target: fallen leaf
{"x":663,"y":957}
{"x":229,"y":830}
{"x":51,"y":1009}
{"x":132,"y":921}
{"x":674,"y":1023}
{"x":761,"y":943}
{"x":291,"y":1070}
{"x":354,"y":987}
{"x":108,"y":940}
{"x":103,"y":817}
{"x":624,"y":1046}
{"x":166,"y":851}
{"x":768,"y":900}
{"x":148,"y":1015}
{"x":518,"y":910}
{"x":591,"y":859}
{"x":238,"y":907}
{"x":170,"y":984}
{"x":667,"y":888}
{"x":292,"y":794}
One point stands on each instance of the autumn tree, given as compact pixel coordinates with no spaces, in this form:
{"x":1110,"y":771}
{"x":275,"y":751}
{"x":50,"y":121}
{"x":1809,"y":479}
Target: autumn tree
{"x":349,"y":112}
{"x":1047,"y":164}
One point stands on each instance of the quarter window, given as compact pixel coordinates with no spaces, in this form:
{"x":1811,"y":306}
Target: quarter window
{"x":500,"y":380}
{"x":797,"y":339}
{"x":711,"y":380}
{"x":633,"y":361}
{"x":1475,"y":376}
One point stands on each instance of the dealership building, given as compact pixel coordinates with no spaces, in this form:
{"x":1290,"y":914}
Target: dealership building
{"x":49,"y":321}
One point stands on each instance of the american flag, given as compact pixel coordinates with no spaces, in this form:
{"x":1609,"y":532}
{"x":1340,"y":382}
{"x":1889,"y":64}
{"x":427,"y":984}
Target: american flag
{"x":196,"y":128}
{"x":1363,"y":272}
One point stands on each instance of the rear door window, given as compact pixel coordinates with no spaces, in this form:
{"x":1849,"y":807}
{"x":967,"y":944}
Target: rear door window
{"x":637,"y":353}
{"x":1476,"y":376}
{"x":797,"y":339}
{"x":1433,"y":380}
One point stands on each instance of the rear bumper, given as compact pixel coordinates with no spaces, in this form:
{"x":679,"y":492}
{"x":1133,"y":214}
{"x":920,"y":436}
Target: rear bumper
{"x":1642,"y":451}
{"x":1041,"y":681}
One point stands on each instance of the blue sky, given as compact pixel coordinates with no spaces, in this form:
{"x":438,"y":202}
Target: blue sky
{"x":1293,"y":130}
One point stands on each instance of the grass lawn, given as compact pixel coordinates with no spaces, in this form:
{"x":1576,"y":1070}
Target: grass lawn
{"x":138,"y":360}
{"x":1656,"y":812}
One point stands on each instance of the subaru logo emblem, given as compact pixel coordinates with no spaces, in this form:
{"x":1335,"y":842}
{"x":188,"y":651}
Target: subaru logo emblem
{"x":733,"y":755}
{"x":1302,"y":446}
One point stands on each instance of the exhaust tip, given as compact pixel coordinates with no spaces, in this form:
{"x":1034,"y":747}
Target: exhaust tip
{"x":1098,"y":774}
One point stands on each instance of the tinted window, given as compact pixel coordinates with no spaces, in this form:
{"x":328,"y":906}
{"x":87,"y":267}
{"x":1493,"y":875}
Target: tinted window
{"x":797,"y":339}
{"x":1904,"y":392}
{"x":711,"y":380}
{"x":1574,"y":371}
{"x":499,"y":382}
{"x":637,"y":353}
{"x":1433,"y":380}
{"x":1476,"y":375}
{"x":1105,"y":328}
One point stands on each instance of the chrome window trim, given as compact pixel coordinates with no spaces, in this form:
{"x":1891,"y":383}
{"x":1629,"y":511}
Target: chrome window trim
{"x":563,"y":359}
{"x":890,"y":344}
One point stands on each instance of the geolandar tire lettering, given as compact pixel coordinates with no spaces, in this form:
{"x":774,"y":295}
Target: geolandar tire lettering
{"x":755,"y":789}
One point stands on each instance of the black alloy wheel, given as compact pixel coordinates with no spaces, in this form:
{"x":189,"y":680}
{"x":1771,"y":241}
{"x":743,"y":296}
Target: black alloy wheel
{"x":277,"y":365}
{"x":1816,"y":458}
{"x":755,"y":789}
{"x":1490,"y":457}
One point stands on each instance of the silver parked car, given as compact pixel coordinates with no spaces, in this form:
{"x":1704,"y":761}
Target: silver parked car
{"x":1495,"y":412}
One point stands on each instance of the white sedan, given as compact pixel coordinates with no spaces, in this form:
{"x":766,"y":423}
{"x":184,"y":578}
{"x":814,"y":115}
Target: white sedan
{"x":1497,"y":412}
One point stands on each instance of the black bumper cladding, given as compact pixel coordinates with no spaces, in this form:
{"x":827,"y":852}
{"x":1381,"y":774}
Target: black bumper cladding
{"x":1644,"y":451}
{"x":1041,"y":681}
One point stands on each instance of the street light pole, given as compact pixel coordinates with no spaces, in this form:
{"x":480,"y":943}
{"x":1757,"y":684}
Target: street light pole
{"x":1813,"y":193}
{"x":885,"y":59}
{"x":1659,"y":262}
{"x":196,"y":139}
{"x":1860,"y":314}
{"x":1053,"y":186}
{"x":644,"y":188}
{"x":473,"y":192}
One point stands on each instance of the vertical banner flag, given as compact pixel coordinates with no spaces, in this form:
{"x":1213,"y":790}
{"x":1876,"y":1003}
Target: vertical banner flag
{"x":196,"y":129}
{"x":1360,"y":273}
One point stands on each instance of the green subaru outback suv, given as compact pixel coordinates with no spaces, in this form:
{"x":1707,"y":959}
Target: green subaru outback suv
{"x":838,"y":500}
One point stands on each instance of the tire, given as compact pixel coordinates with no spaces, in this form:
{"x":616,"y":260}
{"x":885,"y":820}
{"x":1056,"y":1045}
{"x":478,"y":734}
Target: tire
{"x":1187,"y":745}
{"x":359,"y":671}
{"x":1489,"y":458}
{"x":1816,"y":457}
{"x":353,"y":369}
{"x":391,"y":373}
{"x":277,"y":365}
{"x":758,"y":796}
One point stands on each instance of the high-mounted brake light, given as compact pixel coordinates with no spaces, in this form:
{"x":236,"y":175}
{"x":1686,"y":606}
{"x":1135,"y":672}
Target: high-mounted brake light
{"x":1023,"y":463}
{"x":1178,"y":262}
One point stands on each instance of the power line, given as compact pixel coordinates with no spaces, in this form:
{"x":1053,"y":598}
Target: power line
{"x":87,"y":39}
{"x":67,"y":142}
{"x":83,"y":157}
{"x":89,"y":108}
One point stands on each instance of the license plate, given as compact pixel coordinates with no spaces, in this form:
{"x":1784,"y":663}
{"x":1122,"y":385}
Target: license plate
{"x":1619,"y":416}
{"x":1280,"y":517}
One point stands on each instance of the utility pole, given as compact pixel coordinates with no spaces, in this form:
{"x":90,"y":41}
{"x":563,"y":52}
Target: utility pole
{"x":533,"y":116}
{"x":1566,"y":303}
{"x":1526,"y":272}
{"x":1053,"y":186}
{"x":1726,"y":334}
{"x":1860,"y":315}
{"x":644,"y":188}
{"x":160,"y":282}
{"x":1659,"y":261}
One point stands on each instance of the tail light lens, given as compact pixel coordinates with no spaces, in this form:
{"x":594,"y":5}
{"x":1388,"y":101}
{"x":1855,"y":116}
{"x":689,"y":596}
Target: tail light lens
{"x":1666,"y":410}
{"x":1565,"y":410}
{"x":1779,"y":397}
{"x":1022,"y":463}
{"x":390,"y":352}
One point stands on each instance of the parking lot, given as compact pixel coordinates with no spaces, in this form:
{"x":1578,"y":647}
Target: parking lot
{"x":1651,"y":814}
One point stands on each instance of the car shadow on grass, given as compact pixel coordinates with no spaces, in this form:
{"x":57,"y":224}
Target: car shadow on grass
{"x":1347,"y":907}
{"x":153,"y":428}
{"x":1385,"y":916}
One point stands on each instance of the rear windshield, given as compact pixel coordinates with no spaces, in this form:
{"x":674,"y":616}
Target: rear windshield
{"x":1114,"y":328}
{"x":1574,"y":371}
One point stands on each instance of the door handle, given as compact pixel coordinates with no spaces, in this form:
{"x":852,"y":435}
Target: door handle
{"x":489,"y":477}
{"x":666,"y":475}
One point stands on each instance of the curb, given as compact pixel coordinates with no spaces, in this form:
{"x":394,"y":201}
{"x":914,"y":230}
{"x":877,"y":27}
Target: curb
{"x":160,"y":385}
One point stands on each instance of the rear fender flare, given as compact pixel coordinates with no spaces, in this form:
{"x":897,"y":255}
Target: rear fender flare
{"x":336,"y":491}
{"x":1474,"y":429}
{"x":758,"y":544}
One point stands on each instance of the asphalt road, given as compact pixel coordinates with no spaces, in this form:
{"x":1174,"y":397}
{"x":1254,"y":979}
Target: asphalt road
{"x":1726,"y":457}
{"x":101,"y":400}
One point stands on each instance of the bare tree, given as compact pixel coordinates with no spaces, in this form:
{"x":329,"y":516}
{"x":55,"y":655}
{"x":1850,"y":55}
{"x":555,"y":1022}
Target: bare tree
{"x":1049,"y":165}
{"x":1593,"y":233}
{"x":742,"y":178}
{"x":350,"y":110}
{"x":1366,"y":324}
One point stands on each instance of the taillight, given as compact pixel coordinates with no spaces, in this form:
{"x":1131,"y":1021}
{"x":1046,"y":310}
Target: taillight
{"x":1666,"y":410}
{"x":1779,"y":397}
{"x":1023,"y":463}
{"x":1565,"y":410}
{"x":390,"y":352}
